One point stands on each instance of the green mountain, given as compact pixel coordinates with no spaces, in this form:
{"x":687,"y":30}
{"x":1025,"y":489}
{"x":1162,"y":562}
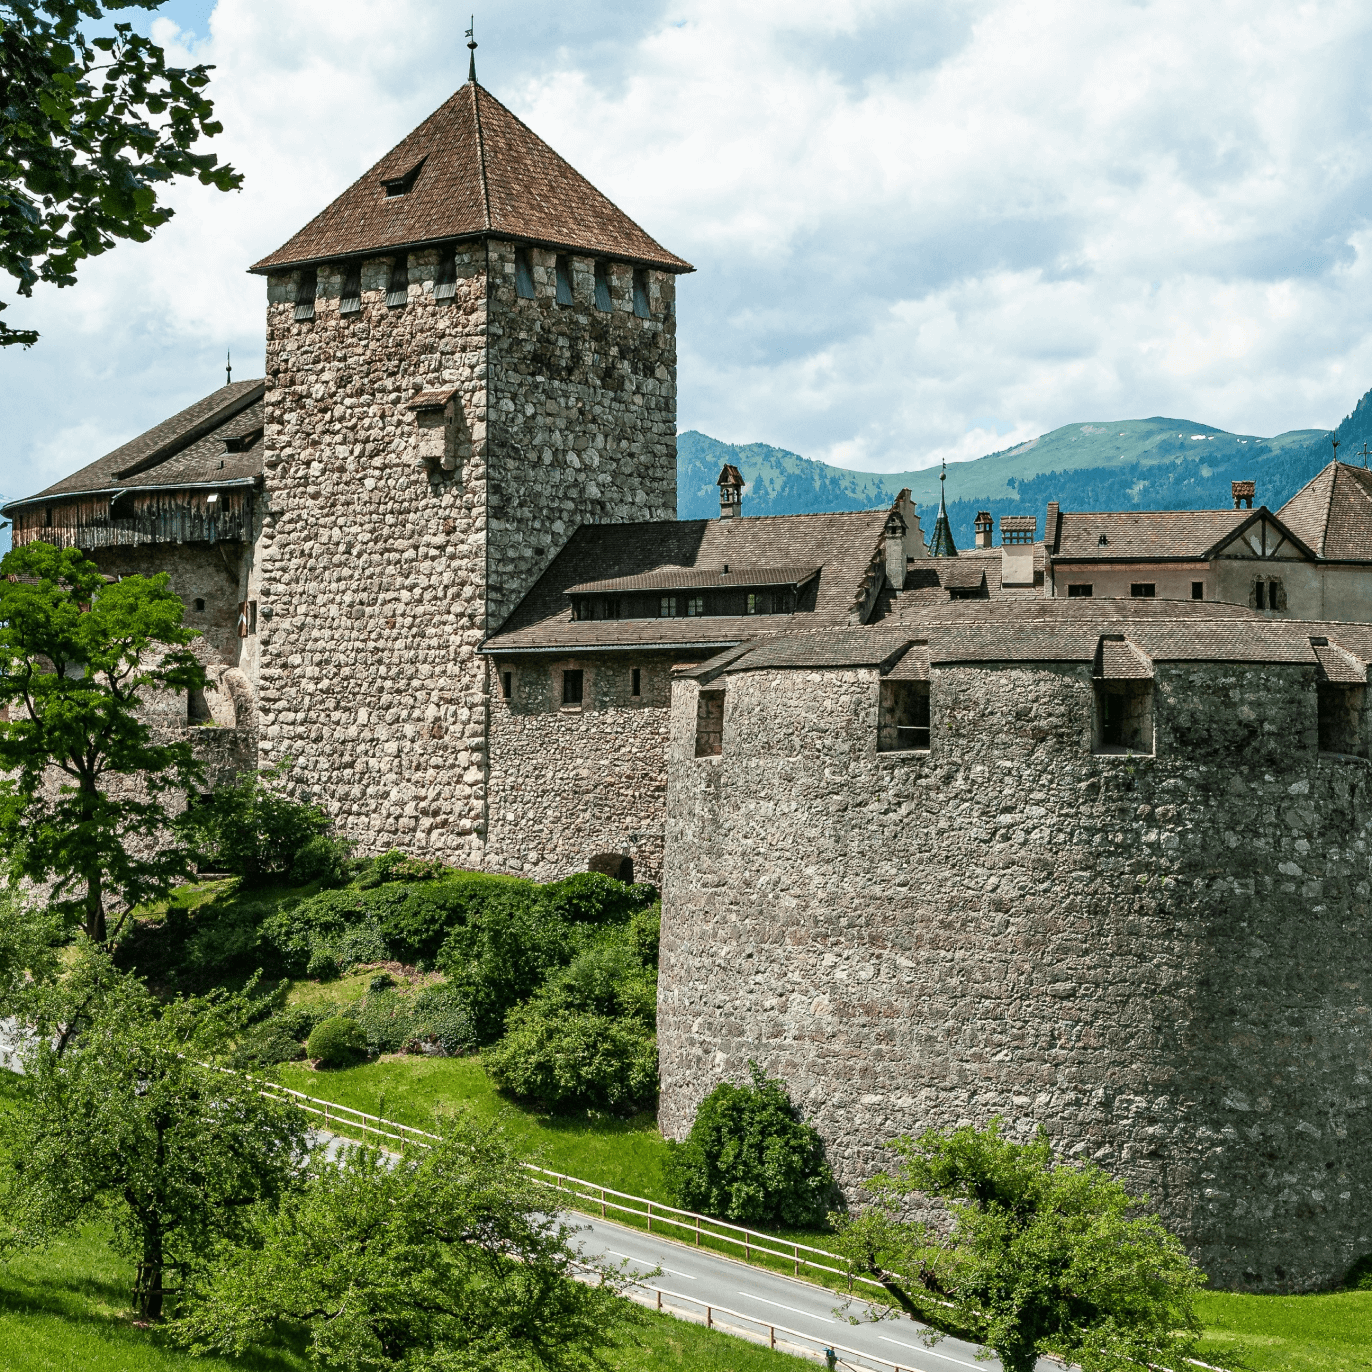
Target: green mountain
{"x":1149,"y":464}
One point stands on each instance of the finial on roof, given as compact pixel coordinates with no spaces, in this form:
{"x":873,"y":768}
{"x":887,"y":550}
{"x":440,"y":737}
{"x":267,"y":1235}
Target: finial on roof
{"x":228,"y":367}
{"x":1334,"y":443}
{"x":942,"y":545}
{"x":471,"y":45}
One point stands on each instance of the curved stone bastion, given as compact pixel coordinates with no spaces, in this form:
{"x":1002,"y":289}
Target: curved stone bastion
{"x":1097,"y":865}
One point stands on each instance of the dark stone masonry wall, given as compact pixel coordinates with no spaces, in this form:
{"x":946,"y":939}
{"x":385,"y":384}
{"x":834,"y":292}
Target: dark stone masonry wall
{"x":1165,"y":960}
{"x":574,"y":781}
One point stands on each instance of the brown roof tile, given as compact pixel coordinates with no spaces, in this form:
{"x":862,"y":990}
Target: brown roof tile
{"x":1120,"y":660}
{"x":690,"y":578}
{"x":480,"y":170}
{"x":1149,"y":534}
{"x":1332,"y":512}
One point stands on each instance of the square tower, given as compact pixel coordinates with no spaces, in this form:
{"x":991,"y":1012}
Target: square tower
{"x":469,"y":353}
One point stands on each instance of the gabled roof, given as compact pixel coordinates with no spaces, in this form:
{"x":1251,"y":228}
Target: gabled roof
{"x":696,"y":578}
{"x":472,"y":169}
{"x":840,"y":545}
{"x":1156,"y":535}
{"x":187,"y":449}
{"x":1332,"y":512}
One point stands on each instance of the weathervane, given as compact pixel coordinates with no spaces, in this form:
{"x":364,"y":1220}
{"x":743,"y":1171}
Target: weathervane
{"x":1364,"y":454}
{"x":1334,"y":439}
{"x":471,"y":44}
{"x":228,"y":367}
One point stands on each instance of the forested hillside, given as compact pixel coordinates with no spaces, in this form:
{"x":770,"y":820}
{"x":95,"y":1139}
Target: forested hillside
{"x":1151,"y":464}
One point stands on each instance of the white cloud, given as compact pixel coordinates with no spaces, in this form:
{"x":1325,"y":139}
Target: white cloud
{"x":923,"y":230}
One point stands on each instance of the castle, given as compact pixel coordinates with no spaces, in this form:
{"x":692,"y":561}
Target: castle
{"x":1073,"y":830}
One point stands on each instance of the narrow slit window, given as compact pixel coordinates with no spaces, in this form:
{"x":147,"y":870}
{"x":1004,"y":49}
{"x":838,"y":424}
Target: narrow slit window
{"x":903,"y":717}
{"x":350,"y":295}
{"x":47,"y":517}
{"x":252,"y":616}
{"x":636,"y":682}
{"x":524,"y":277}
{"x":506,"y":685}
{"x":573,"y":682}
{"x":445,"y":278}
{"x":641,"y":293}
{"x":398,"y":288}
{"x":602,"y":288}
{"x":564,"y":282}
{"x":305,"y":293}
{"x":1259,"y":595}
{"x":1079,"y":590}
{"x":710,"y":724}
{"x":1276,"y":597}
{"x":1142,"y":590}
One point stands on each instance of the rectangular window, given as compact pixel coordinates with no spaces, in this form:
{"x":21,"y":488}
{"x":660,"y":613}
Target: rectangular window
{"x":305,"y":293}
{"x":1124,"y":717}
{"x":636,"y":682}
{"x":1198,"y":590}
{"x":564,"y":282}
{"x":602,"y":288}
{"x":350,"y":296}
{"x":1340,"y":718}
{"x":252,"y":616}
{"x":572,"y":682}
{"x":695,"y":605}
{"x":398,"y":287}
{"x":1142,"y":590}
{"x":583,"y":609}
{"x":506,"y":685}
{"x":903,"y":717}
{"x":710,"y":724}
{"x":1259,"y":595}
{"x":641,"y":293}
{"x":524,"y":277}
{"x":1276,"y":597}
{"x":445,"y":281}
{"x":612,"y":609}
{"x":667,"y":609}
{"x":1079,"y":590}
{"x":754,"y":604}
{"x":47,"y":518}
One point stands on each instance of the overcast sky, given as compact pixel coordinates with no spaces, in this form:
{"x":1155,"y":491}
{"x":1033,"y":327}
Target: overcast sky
{"x":922,"y":230}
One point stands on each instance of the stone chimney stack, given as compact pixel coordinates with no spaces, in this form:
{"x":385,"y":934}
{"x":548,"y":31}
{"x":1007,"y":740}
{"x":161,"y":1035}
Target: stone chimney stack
{"x":984,"y":528}
{"x":730,"y":492}
{"x":1243,"y":492}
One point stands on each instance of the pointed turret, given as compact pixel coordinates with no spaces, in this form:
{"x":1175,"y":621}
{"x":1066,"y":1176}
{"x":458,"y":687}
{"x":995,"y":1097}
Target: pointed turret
{"x":942,"y":544}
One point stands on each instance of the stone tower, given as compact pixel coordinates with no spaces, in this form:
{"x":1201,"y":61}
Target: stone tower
{"x":469,"y":353}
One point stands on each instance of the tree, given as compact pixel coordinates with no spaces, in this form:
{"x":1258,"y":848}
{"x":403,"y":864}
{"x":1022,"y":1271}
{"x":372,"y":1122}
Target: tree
{"x":77,"y":655}
{"x":1042,"y":1257}
{"x":121,"y":1120}
{"x":90,"y":128}
{"x":447,"y":1262}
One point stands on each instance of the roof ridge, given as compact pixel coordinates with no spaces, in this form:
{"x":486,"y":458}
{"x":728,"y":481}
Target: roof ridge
{"x":1328,"y":509}
{"x":481,"y":149}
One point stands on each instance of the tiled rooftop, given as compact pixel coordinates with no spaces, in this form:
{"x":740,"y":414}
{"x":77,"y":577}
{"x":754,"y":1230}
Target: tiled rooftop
{"x":693,"y":578}
{"x":478,"y":170}
{"x":1153,"y":535}
{"x":1332,"y":513}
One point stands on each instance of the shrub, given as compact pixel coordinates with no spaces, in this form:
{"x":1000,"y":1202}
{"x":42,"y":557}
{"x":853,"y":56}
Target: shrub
{"x":441,"y":1019}
{"x":750,"y":1158}
{"x":563,"y":1058}
{"x":267,"y":1045}
{"x":1359,"y":1276}
{"x":337,"y":1042}
{"x":590,"y":898}
{"x":386,"y":1019}
{"x":397,"y":866}
{"x":645,"y":933}
{"x":253,"y":829}
{"x":605,"y":979}
{"x":323,"y":859}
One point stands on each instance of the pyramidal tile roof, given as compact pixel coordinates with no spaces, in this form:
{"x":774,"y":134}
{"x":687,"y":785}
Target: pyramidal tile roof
{"x":1332,"y":512}
{"x":471,"y":169}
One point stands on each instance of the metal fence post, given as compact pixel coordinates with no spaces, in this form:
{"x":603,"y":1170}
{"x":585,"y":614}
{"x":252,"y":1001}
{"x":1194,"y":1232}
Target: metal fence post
{"x":602,"y":1202}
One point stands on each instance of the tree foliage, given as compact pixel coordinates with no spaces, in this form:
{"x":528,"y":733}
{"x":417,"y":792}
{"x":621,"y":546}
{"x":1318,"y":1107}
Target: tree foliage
{"x":91,"y":128}
{"x":77,"y":655}
{"x":750,"y":1157}
{"x":1042,"y":1257}
{"x":447,"y":1263}
{"x":121,"y":1121}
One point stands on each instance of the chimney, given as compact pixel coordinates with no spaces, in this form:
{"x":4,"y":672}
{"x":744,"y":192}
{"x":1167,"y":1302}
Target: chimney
{"x":1017,"y":549}
{"x":730,"y":492}
{"x":983,"y":527}
{"x":1243,"y":492}
{"x":1051,"y":527}
{"x":895,"y":548}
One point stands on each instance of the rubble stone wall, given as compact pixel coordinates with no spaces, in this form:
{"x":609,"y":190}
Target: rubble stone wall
{"x":574,"y":781}
{"x":1164,"y":960}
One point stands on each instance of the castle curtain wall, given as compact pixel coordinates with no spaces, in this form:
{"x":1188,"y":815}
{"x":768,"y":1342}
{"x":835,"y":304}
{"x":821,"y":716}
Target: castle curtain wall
{"x":1163,"y":960}
{"x":571,"y":781}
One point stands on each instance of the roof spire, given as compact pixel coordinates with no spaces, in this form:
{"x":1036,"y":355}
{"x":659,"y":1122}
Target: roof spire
{"x":471,"y":45}
{"x":228,"y":367}
{"x":942,"y":545}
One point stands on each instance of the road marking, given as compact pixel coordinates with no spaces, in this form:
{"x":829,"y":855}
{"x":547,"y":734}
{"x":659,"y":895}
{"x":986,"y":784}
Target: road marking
{"x":919,"y":1348}
{"x":631,"y":1258}
{"x":791,"y":1308}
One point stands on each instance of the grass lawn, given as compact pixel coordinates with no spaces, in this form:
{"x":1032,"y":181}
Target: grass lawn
{"x":1324,"y":1333}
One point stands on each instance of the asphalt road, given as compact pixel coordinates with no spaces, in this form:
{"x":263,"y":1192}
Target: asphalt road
{"x":707,"y":1278}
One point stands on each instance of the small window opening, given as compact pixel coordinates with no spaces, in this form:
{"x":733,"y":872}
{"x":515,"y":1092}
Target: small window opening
{"x":198,"y":708}
{"x":47,"y":518}
{"x":612,"y":609}
{"x":710,"y":724}
{"x":199,"y":605}
{"x":667,"y":609}
{"x":1142,"y":590}
{"x":1340,"y":718}
{"x":1080,"y":590}
{"x":506,"y":685}
{"x":1198,"y":590}
{"x":564,"y":282}
{"x":1124,"y":717}
{"x":695,"y":605}
{"x":641,"y":293}
{"x":252,"y":616}
{"x":602,"y":288}
{"x":636,"y":682}
{"x":1102,"y":541}
{"x":305,"y":293}
{"x":903,"y":717}
{"x":524,"y":277}
{"x":403,"y":184}
{"x":572,"y":684}
{"x":754,"y":606}
{"x":1259,"y":595}
{"x":350,"y":295}
{"x":398,"y":288}
{"x":445,"y":279}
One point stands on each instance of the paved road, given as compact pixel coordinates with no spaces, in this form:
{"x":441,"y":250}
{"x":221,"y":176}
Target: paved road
{"x":708,"y":1278}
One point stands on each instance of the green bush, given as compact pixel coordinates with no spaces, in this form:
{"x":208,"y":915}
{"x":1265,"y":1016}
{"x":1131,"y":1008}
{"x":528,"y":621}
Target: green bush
{"x":607,"y":978}
{"x":562,"y":1058}
{"x":590,"y":898}
{"x":644,"y":934}
{"x":267,"y":1045}
{"x":442,"y":1021}
{"x":1359,"y":1276}
{"x":337,"y":1042}
{"x":398,"y":866}
{"x":326,"y":860}
{"x":252,"y":829}
{"x":750,"y":1158}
